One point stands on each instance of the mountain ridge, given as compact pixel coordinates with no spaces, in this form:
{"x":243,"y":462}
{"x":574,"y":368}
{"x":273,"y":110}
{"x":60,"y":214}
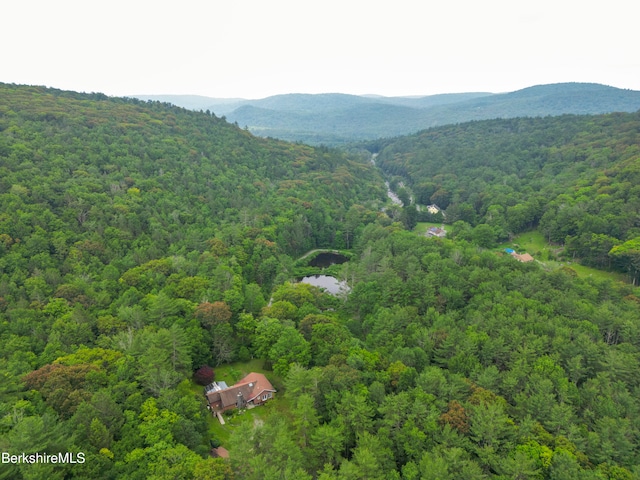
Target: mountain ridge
{"x":140,"y":244}
{"x":335,"y":118}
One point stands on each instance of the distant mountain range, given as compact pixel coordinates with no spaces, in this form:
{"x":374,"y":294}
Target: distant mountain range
{"x":335,"y":118}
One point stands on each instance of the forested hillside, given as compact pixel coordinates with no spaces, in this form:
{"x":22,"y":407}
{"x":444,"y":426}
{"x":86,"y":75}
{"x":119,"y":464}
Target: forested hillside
{"x":574,"y":177}
{"x":141,"y":241}
{"x":459,"y":364}
{"x":118,"y":220}
{"x":337,"y":119}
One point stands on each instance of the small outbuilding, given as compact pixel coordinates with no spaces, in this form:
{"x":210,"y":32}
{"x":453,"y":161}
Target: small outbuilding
{"x":220,"y":452}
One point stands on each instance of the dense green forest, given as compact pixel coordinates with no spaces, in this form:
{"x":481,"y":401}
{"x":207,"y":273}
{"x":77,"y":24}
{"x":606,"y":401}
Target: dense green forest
{"x":575,"y":177}
{"x":451,"y":362}
{"x":140,"y":241}
{"x":120,"y":223}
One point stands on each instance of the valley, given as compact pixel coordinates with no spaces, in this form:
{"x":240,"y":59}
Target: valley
{"x":339,"y":119}
{"x":148,"y":250}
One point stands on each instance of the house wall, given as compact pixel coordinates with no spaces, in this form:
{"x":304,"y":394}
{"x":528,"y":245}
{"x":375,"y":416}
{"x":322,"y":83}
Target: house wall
{"x":259,"y":401}
{"x":220,"y":409}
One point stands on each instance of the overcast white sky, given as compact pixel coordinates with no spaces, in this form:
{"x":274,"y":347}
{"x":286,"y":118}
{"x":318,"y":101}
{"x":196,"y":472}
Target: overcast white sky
{"x":253,"y":49}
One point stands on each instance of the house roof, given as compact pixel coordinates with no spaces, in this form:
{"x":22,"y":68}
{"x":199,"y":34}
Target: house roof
{"x":258,"y":383}
{"x":230,"y":395}
{"x":524,"y":257}
{"x":216,"y":387}
{"x":250,"y":386}
{"x":220,"y":452}
{"x":436,"y":231}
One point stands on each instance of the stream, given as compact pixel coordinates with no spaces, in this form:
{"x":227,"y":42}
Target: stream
{"x":394,"y":198}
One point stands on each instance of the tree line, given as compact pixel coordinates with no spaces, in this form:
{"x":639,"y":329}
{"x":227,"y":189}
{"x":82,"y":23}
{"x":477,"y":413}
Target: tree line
{"x":573,"y":177}
{"x":140,"y":242}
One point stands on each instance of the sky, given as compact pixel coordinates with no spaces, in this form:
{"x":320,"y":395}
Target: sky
{"x":253,"y":49}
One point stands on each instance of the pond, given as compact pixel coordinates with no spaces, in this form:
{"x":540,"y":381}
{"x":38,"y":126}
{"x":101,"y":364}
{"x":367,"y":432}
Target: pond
{"x":331,"y":284}
{"x":326,"y":259}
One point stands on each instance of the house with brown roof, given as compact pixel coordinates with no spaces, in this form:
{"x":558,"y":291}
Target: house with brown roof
{"x":220,"y":452}
{"x":252,"y":390}
{"x":436,"y":232}
{"x":522,"y":257}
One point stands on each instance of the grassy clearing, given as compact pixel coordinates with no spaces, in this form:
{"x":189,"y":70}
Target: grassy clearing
{"x":584,"y":271}
{"x":233,"y":372}
{"x":257,"y":416}
{"x":422,"y":227}
{"x":230,"y":374}
{"x":534,"y":243}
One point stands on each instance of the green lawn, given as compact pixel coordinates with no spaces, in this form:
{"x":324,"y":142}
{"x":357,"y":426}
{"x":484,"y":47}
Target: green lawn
{"x":256,"y":416}
{"x":534,"y":243}
{"x":230,"y":374}
{"x":233,"y":372}
{"x":584,"y":271}
{"x":421,"y":227}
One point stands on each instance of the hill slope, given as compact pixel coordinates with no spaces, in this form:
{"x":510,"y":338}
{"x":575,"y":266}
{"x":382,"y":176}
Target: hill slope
{"x":339,"y":118}
{"x":133,"y":235}
{"x":140,"y":242}
{"x":350,"y":121}
{"x":100,"y":147}
{"x":540,"y":101}
{"x":574,"y":176}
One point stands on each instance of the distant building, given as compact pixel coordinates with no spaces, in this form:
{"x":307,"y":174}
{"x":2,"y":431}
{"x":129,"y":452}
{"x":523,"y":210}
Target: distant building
{"x":436,"y":232}
{"x":521,"y":257}
{"x":252,"y":390}
{"x":220,"y":452}
{"x":524,"y":257}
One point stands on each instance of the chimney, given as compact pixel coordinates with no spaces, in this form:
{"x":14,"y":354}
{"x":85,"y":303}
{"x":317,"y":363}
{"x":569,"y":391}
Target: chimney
{"x":240,"y":401}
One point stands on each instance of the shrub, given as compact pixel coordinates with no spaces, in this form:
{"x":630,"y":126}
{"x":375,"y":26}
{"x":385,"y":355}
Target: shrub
{"x":204,"y":375}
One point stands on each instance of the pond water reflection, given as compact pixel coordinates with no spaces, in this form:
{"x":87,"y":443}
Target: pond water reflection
{"x":331,"y":284}
{"x":326,"y":259}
